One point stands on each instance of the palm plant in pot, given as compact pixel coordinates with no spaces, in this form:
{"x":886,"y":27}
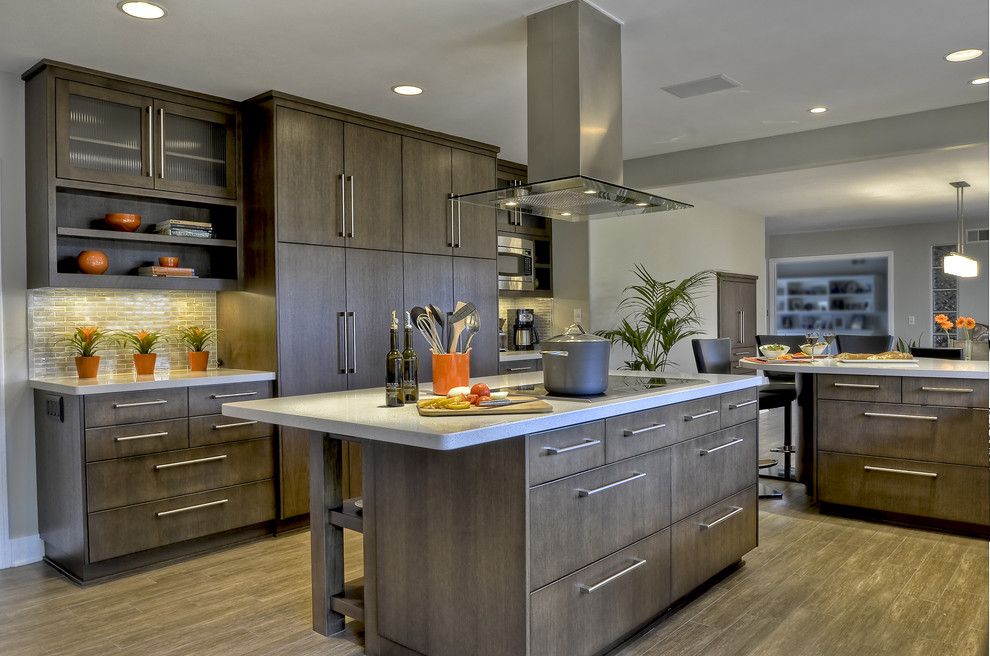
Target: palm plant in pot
{"x":658,"y":315}
{"x":197,"y":339}
{"x":86,"y":342}
{"x":143,"y":342}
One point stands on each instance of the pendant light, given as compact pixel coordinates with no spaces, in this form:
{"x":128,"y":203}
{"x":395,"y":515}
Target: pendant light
{"x":956,"y":263}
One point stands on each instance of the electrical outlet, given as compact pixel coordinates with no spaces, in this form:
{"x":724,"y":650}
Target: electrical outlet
{"x":911,"y":320}
{"x":577,"y":315}
{"x":54,"y":407}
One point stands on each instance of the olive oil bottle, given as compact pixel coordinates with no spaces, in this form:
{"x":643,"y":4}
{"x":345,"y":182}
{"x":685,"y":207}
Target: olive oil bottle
{"x":410,"y":366}
{"x":393,"y":367}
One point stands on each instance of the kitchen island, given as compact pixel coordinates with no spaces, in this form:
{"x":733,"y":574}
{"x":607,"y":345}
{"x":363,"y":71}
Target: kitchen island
{"x":560,"y":533}
{"x":896,"y":441}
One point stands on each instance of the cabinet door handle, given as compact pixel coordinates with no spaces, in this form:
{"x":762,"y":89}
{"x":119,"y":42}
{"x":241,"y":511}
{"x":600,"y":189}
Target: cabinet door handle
{"x":208,"y":504}
{"x":735,"y":511}
{"x":907,"y":472}
{"x":342,"y":338}
{"x":353,"y":368}
{"x":128,"y":438}
{"x":231,"y":395}
{"x":645,"y":429}
{"x":736,"y":406}
{"x":161,"y":143}
{"x":450,"y":242}
{"x":234,"y":425}
{"x":587,"y":493}
{"x":458,"y":224}
{"x":350,"y":181}
{"x":343,"y":207}
{"x":637,"y":562}
{"x":856,"y":385}
{"x":742,"y":326}
{"x":706,"y":413}
{"x":139,"y":404}
{"x":705,"y":452}
{"x":195,"y":461}
{"x":888,"y":415}
{"x":554,"y":450}
{"x":950,"y":390}
{"x":151,"y":141}
{"x":519,"y":369}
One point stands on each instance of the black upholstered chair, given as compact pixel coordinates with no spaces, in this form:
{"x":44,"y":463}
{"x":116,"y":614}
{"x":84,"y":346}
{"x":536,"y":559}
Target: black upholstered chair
{"x":940,"y":353}
{"x":864,"y":343}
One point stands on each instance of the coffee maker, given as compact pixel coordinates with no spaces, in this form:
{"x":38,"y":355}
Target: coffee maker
{"x":524,"y":334}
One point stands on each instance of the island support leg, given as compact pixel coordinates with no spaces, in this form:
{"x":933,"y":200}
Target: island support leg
{"x":326,"y":540}
{"x":806,"y":433}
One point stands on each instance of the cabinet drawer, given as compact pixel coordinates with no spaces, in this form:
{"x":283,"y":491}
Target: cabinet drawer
{"x":712,"y":467}
{"x":959,"y":392}
{"x":739,"y":407}
{"x":698,"y":417}
{"x":937,"y":434}
{"x":136,"y":439}
{"x":520,"y":366}
{"x":880,"y":389}
{"x":114,"y":483}
{"x":593,"y":608}
{"x":128,"y":530}
{"x":565,"y":451}
{"x":707,"y":542}
{"x":579,"y":519}
{"x":639,"y":432}
{"x":951,"y":492}
{"x":133,"y":407}
{"x":737,"y":355}
{"x":216,"y":429}
{"x":207,"y":399}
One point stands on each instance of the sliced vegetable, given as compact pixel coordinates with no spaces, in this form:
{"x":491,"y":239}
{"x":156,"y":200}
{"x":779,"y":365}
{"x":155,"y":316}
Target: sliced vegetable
{"x":459,"y":391}
{"x":499,"y":395}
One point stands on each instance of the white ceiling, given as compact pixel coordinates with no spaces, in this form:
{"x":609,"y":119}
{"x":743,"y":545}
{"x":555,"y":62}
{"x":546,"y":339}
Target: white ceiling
{"x":864,"y":59}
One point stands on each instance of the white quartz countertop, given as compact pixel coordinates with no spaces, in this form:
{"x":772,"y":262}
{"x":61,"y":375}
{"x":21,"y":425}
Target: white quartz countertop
{"x":362,"y":414}
{"x":158,"y":380}
{"x":925,"y":368}
{"x":514,"y":356}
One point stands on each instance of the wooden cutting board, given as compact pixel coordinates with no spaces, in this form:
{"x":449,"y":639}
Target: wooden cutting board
{"x":536,"y":406}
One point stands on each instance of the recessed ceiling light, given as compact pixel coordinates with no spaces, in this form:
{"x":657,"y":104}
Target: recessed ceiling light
{"x":980,"y":80}
{"x":818,"y":110}
{"x":641,"y":204}
{"x":565,"y":213}
{"x":145,"y":10}
{"x":407,"y":90}
{"x":590,"y":191}
{"x":963,"y":55}
{"x":511,"y":203}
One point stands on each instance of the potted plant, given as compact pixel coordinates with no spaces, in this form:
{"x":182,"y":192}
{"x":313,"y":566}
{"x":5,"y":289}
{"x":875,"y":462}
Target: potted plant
{"x":659,"y":314}
{"x":197,"y":338}
{"x":964,"y":333}
{"x":143,"y":342}
{"x":86,"y":343}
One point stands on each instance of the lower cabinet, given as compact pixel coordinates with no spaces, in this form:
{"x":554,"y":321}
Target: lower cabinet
{"x":520,"y":366}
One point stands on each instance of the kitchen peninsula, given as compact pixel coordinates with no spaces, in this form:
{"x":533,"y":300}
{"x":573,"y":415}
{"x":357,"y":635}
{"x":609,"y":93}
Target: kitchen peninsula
{"x":559,"y":533}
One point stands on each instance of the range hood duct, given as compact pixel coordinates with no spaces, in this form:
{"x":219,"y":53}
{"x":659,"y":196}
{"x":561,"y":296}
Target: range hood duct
{"x":574,"y":91}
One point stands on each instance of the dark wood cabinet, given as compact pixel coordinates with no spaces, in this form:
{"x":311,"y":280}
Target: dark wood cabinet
{"x":475,"y":225}
{"x":373,"y":168}
{"x":737,"y":314}
{"x":427,"y":279}
{"x":374,"y":289}
{"x":427,"y":213}
{"x":475,"y":281}
{"x":196,"y":150}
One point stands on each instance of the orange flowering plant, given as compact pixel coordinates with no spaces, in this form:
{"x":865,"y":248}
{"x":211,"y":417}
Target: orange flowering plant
{"x":966,"y":325}
{"x":943,"y":322}
{"x":86,"y":341}
{"x":197,"y":338}
{"x":142,"y":341}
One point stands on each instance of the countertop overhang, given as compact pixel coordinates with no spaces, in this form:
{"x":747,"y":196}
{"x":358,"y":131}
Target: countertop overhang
{"x":159,"y":380}
{"x":926,"y":368}
{"x":362,"y":415}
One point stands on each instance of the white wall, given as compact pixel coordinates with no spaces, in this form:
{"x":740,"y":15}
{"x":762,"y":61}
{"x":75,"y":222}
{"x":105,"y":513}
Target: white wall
{"x":674,"y":245}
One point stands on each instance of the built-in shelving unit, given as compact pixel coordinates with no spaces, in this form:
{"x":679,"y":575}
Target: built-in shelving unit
{"x":843,"y":304}
{"x":150,"y":237}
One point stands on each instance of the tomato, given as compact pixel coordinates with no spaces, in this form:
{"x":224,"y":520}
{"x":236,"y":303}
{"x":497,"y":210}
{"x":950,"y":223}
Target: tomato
{"x":471,"y":398}
{"x":481,"y":389}
{"x":482,"y":398}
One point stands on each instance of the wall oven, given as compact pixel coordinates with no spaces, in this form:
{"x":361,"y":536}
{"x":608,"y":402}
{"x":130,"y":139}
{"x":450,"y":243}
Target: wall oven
{"x":515,"y":264}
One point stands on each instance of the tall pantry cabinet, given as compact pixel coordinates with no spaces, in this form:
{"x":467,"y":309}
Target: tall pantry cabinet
{"x":347,"y":218}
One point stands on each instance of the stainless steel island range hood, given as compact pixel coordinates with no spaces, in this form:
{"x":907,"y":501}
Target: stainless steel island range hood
{"x":574,"y":90}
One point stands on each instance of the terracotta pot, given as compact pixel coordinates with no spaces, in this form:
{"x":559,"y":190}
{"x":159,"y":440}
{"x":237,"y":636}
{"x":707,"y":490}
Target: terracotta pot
{"x":169,"y":261}
{"x":93,"y":262}
{"x":87,"y":366}
{"x":144,"y":363}
{"x":123,"y":222}
{"x":198,"y":360}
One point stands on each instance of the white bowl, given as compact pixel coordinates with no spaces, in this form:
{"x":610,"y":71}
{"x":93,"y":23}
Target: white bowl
{"x":772,"y":354}
{"x":813,"y":349}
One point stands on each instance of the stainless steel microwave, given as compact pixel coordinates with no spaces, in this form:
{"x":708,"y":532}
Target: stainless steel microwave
{"x":515,"y":264}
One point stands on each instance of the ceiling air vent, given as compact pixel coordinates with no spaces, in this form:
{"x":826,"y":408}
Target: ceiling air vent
{"x":975,"y":236}
{"x":701,"y":87}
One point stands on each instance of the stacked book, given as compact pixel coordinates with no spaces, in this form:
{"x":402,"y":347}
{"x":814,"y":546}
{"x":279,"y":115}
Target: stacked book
{"x":185,"y":228}
{"x":167,"y":272}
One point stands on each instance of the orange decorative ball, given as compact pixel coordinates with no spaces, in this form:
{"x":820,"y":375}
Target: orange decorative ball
{"x":93,"y":262}
{"x":122,"y":221}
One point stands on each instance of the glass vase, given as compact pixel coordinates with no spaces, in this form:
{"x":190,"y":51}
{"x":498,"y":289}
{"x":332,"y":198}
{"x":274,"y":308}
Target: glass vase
{"x":965,"y":345}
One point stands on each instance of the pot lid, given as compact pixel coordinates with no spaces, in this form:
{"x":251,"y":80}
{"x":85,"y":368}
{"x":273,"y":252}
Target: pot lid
{"x":575,"y":334}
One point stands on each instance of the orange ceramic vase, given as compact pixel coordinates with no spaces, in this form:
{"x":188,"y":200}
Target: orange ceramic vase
{"x":144,"y":363}
{"x":123,"y":221}
{"x":198,"y":360}
{"x":87,"y":366}
{"x":93,"y":262}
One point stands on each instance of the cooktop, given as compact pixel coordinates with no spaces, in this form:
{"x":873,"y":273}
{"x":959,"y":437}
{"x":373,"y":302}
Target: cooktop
{"x":617,"y":386}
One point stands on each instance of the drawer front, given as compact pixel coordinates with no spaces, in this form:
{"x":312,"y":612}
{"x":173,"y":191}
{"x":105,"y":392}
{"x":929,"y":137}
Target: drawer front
{"x":951,"y":492}
{"x":559,"y":453}
{"x":959,"y":392}
{"x":136,"y":439}
{"x":712,"y":467}
{"x":937,"y":434}
{"x":128,"y":530}
{"x":739,"y":354}
{"x":132,"y":407}
{"x":707,"y":542}
{"x":115,"y":483}
{"x":217,"y":429}
{"x":698,"y":417}
{"x":520,"y":366}
{"x":593,"y":608}
{"x":579,"y":519}
{"x":207,"y":399}
{"x":878,"y":389}
{"x":639,"y":432}
{"x":739,"y":407}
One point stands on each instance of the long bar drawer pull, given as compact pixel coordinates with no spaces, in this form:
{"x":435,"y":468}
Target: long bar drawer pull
{"x":856,"y":385}
{"x":231,"y":396}
{"x":554,"y":450}
{"x":736,"y":406}
{"x":888,"y":415}
{"x":637,"y":562}
{"x":209,"y":504}
{"x":909,"y":472}
{"x":735,"y":511}
{"x":519,"y":369}
{"x":128,"y":438}
{"x":705,"y":452}
{"x":139,"y":404}
{"x":645,"y":429}
{"x":234,"y":425}
{"x":951,"y":390}
{"x":588,"y":493}
{"x":196,"y":461}
{"x":706,"y":413}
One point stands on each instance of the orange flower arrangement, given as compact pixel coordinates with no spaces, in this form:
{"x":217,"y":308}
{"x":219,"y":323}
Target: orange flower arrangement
{"x":943,"y":322}
{"x":964,"y":324}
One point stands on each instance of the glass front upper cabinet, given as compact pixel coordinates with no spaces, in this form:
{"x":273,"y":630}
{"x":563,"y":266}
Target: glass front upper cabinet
{"x":195,"y":150}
